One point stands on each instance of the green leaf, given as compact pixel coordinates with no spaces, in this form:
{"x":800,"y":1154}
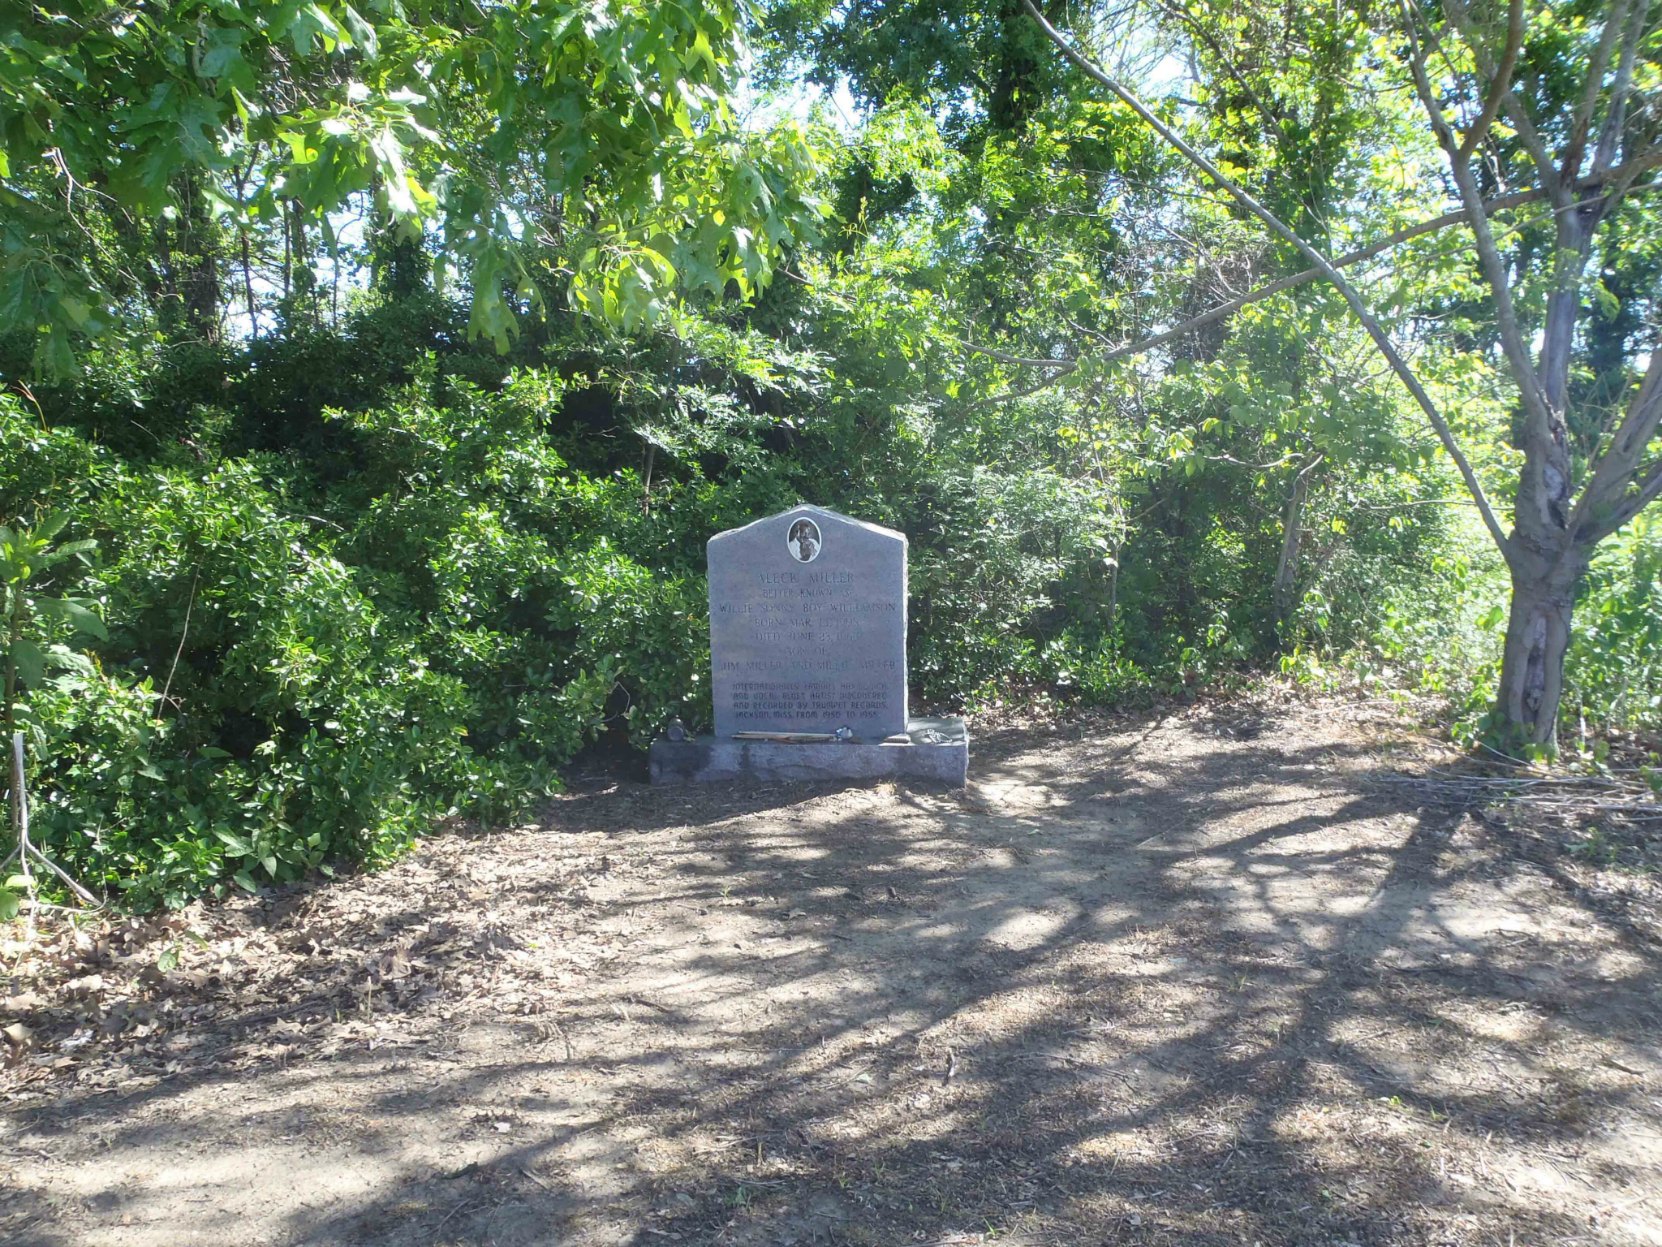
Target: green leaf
{"x":220,"y":53}
{"x":363,"y":34}
{"x":62,"y":658}
{"x":85,"y":620}
{"x":49,"y":527}
{"x":30,"y":661}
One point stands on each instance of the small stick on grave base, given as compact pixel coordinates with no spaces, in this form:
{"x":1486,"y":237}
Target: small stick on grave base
{"x":796,"y":738}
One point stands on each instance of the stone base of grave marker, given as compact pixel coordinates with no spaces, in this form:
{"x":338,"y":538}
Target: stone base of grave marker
{"x":932,"y":749}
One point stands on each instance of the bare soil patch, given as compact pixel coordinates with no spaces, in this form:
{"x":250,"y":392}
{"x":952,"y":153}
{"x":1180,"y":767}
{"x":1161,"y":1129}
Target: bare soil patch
{"x":1207,"y":977}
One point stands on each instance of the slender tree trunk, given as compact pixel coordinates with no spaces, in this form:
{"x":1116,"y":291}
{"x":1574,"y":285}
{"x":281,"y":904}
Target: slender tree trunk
{"x":199,"y":265}
{"x":1285,"y":594}
{"x":167,"y":301}
{"x":1111,"y":607}
{"x":302,"y":281}
{"x":1292,"y":536}
{"x":248,"y":291}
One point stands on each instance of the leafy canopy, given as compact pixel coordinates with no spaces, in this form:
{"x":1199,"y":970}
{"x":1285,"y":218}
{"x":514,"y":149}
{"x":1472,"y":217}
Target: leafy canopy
{"x":589,"y":146}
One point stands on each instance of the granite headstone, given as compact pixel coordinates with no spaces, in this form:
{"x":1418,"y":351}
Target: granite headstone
{"x":808,"y":626}
{"x":808,"y":657}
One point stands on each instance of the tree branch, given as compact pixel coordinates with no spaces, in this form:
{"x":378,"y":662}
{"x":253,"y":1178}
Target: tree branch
{"x":1270,"y":116}
{"x":1620,"y":461}
{"x":1064,"y":367}
{"x":1494,"y":267}
{"x":1581,"y":124}
{"x":1616,"y":118}
{"x":1044,"y":383}
{"x":1020,"y":361}
{"x":1352,"y":299}
{"x":1650,"y":489}
{"x":1499,"y":204}
{"x":1305,"y":276}
{"x":1556,"y":183}
{"x":1500,"y":82}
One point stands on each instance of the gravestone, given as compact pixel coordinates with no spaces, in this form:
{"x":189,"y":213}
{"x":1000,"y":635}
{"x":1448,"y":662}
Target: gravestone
{"x":808,"y":626}
{"x":808,"y":660}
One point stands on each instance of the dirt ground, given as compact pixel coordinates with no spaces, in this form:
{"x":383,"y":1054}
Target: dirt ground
{"x":1210,"y":976}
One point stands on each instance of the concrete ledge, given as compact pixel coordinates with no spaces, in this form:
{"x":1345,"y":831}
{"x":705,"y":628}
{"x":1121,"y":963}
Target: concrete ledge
{"x":936,"y":749}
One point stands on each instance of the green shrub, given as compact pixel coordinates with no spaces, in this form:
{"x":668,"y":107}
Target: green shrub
{"x":1613,"y":672}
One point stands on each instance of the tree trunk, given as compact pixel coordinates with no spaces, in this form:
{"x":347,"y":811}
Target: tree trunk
{"x":1113,"y":590}
{"x":197,"y":257}
{"x":1292,"y":538}
{"x":1286,"y":570}
{"x":1547,"y":563}
{"x":1537,"y":636}
{"x":248,"y":291}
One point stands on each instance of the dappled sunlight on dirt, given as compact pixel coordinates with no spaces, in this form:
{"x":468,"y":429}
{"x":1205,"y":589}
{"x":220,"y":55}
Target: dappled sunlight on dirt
{"x":1192,"y":978}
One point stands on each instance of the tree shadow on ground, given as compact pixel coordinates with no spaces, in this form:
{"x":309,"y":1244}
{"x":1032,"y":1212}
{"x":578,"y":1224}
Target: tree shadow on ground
{"x":1162,"y":985}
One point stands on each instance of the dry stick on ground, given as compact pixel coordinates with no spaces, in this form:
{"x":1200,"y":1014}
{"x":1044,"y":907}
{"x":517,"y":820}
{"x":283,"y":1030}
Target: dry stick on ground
{"x":1352,"y":299}
{"x":25,"y":849}
{"x":1577,"y":795}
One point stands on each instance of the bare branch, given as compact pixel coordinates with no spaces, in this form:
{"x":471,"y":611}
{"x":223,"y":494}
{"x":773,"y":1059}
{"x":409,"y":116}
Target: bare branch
{"x":1085,"y":331}
{"x":1581,"y":124}
{"x":1556,"y":183}
{"x":1494,"y":267}
{"x":1500,"y":81}
{"x":1353,"y":300}
{"x":1020,"y":361}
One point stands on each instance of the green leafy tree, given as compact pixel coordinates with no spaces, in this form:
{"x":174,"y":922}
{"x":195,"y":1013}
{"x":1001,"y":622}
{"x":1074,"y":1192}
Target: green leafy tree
{"x":1585,"y":137}
{"x":582,"y":149}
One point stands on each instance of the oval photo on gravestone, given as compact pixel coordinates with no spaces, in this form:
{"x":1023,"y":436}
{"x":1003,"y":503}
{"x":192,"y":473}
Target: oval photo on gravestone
{"x":804,"y":541}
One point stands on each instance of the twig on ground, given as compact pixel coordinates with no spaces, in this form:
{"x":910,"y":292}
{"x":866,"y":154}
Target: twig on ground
{"x":1588,"y":794}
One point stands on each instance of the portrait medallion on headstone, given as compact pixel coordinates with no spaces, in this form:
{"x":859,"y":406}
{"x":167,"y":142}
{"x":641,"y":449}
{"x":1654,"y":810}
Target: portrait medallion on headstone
{"x":804,"y":540}
{"x":808,"y":626}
